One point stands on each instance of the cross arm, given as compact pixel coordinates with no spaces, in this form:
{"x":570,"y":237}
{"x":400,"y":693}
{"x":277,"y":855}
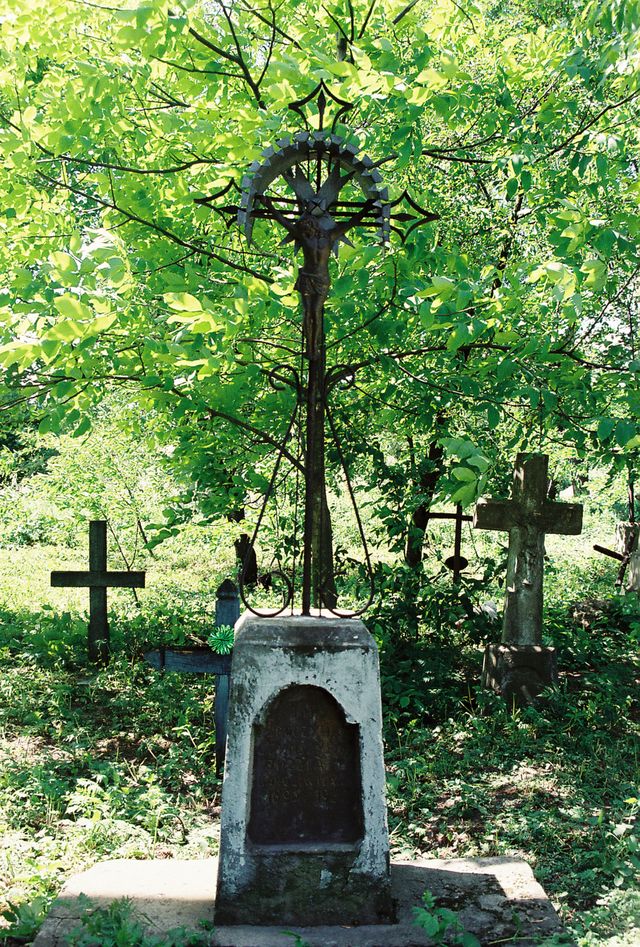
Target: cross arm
{"x":100,"y":580}
{"x":495,"y":514}
{"x":562,"y":518}
{"x":189,"y":660}
{"x":558,"y":518}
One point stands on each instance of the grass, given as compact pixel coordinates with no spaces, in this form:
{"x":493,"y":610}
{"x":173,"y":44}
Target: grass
{"x":120,"y":762}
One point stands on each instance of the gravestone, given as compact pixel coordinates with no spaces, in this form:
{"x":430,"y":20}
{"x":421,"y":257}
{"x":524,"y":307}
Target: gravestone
{"x":320,"y":798}
{"x":520,"y":667}
{"x":633,"y":575}
{"x":627,"y":537}
{"x":627,"y":543}
{"x":98,"y":579}
{"x":303,"y":827}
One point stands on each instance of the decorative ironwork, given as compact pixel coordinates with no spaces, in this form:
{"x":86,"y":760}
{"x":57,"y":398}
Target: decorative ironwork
{"x":318,"y":187}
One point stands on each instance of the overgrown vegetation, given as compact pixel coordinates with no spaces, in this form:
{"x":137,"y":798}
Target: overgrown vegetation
{"x":120,"y":762}
{"x":131,"y":301}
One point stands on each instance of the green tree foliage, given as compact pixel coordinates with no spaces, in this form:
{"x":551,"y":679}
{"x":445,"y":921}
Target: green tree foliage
{"x":509,"y":322}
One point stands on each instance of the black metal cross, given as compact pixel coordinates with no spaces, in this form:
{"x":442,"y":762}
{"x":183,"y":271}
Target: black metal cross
{"x":202,"y":660}
{"x":98,"y":579}
{"x":318,"y":189}
{"x":457,"y":562}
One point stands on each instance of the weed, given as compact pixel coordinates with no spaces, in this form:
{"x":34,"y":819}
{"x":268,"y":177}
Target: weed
{"x":442,"y":923}
{"x":117,"y":925}
{"x":24,"y":919}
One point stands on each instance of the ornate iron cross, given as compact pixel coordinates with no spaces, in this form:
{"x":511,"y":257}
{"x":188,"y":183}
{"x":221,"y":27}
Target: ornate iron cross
{"x":317,"y":187}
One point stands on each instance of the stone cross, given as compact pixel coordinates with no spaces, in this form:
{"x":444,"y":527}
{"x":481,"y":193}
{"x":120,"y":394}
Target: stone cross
{"x":527,"y":516}
{"x":98,"y":580}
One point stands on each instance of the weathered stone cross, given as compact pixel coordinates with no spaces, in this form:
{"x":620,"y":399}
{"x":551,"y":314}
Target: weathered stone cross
{"x":98,"y":580}
{"x":527,"y":517}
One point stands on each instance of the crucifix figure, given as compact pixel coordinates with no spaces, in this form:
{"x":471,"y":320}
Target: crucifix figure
{"x":527,"y":516}
{"x":317,"y":234}
{"x":98,"y":579}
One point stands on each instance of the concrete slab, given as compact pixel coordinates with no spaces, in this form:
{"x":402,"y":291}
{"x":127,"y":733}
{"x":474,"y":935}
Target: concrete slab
{"x":497,"y":899}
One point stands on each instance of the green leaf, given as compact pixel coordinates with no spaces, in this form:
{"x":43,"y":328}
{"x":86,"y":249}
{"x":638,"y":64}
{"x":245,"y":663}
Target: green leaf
{"x":63,"y":262}
{"x":101,"y":323}
{"x":463,"y":473}
{"x":625,"y":430}
{"x":605,"y":427}
{"x":505,"y":369}
{"x":83,"y":427}
{"x":493,"y":416}
{"x":596,"y":273}
{"x":465,"y":494}
{"x":71,"y":308}
{"x":67,"y":330}
{"x":183,"y":302}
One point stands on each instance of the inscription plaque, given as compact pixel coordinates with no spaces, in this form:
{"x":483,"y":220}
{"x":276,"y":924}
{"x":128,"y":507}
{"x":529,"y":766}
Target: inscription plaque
{"x":306,"y":772}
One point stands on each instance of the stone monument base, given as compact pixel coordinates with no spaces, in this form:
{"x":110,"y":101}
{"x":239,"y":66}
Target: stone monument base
{"x":497,"y":899}
{"x":308,"y":887}
{"x":519,"y":672}
{"x":303,"y":830}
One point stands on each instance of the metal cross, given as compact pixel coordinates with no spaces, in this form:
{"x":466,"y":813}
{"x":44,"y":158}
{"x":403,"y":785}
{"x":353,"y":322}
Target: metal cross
{"x":202,"y":660}
{"x":457,"y":562}
{"x":98,"y":579}
{"x":318,"y":189}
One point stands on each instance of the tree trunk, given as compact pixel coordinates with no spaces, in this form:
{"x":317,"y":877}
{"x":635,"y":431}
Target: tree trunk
{"x":431,"y":468}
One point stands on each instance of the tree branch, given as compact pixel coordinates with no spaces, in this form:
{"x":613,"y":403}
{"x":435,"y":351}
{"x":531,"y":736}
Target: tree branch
{"x":596,"y":118}
{"x":157,"y":228}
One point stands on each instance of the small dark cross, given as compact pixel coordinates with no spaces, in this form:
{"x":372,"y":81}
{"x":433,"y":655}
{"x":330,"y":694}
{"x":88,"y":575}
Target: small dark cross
{"x":205,"y":661}
{"x":98,"y":580}
{"x":527,"y":516}
{"x":457,"y":562}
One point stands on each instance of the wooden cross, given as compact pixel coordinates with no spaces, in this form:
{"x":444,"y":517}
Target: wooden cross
{"x":98,"y":580}
{"x":457,"y":562}
{"x":528,"y":515}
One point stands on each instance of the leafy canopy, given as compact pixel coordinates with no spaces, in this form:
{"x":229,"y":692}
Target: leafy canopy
{"x":510,"y":321}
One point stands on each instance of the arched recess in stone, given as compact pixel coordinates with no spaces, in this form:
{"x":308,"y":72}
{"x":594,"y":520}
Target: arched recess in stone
{"x":306,"y":781}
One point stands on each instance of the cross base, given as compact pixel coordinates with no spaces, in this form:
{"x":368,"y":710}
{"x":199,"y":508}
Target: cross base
{"x":519,"y":672}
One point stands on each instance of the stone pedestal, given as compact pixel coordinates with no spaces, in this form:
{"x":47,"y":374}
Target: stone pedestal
{"x":303,"y":828}
{"x":519,"y":672}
